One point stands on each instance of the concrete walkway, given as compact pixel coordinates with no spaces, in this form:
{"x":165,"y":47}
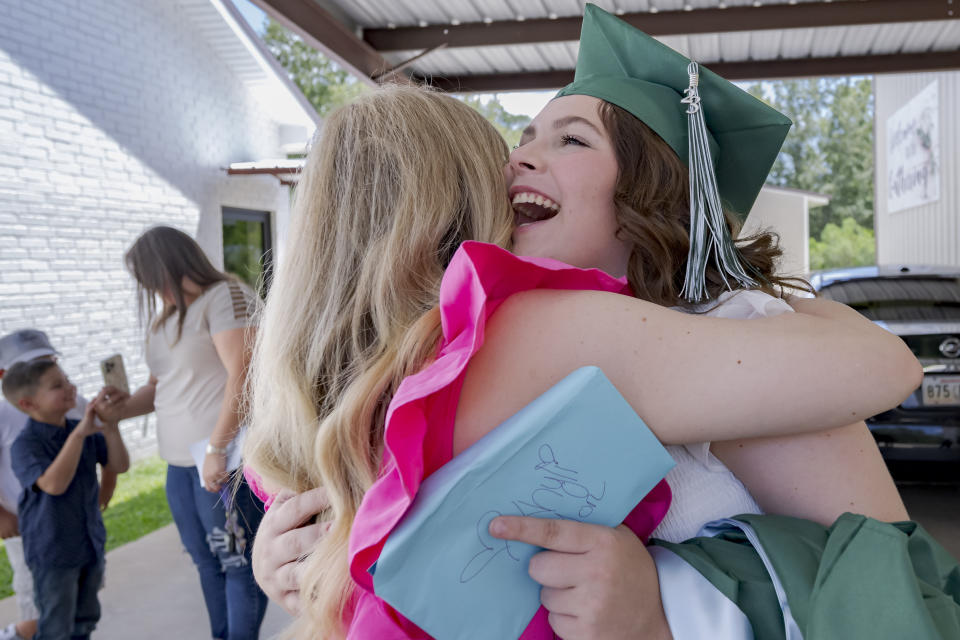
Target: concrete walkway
{"x":153,"y":593}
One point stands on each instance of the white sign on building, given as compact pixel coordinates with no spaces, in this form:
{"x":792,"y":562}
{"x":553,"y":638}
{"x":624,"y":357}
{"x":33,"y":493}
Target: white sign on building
{"x":913,"y":152}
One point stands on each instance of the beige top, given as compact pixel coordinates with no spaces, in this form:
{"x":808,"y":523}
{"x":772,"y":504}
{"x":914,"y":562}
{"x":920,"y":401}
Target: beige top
{"x":190,"y":376}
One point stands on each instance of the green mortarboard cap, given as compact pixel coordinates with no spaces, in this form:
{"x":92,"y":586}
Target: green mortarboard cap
{"x":624,"y":66}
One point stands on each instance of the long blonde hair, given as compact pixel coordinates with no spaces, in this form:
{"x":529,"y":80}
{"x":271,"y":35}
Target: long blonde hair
{"x":394,"y":183}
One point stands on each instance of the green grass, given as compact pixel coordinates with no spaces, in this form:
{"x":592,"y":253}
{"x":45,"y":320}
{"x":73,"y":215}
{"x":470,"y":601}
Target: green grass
{"x":139,"y":506}
{"x":6,"y":573}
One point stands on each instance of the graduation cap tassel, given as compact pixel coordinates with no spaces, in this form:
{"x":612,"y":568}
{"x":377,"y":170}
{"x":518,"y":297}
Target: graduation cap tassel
{"x":709,"y":235}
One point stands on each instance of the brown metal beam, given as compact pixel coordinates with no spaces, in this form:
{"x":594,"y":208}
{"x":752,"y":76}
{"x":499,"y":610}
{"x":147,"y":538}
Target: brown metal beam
{"x":324,"y":32}
{"x":403,"y":65}
{"x":749,"y":70}
{"x":740,"y":18}
{"x":839,"y":66}
{"x":523,"y":81}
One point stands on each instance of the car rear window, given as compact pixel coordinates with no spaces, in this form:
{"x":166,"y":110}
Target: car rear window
{"x":900,"y":299}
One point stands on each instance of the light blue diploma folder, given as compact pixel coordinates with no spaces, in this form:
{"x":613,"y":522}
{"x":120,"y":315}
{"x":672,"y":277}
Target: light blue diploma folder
{"x":578,"y":452}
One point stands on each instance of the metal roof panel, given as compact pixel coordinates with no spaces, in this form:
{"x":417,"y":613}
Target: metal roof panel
{"x":705,"y":47}
{"x":464,"y":11}
{"x":498,"y":58}
{"x":532,"y":57}
{"x":472,"y":60}
{"x":559,"y":55}
{"x":828,"y":41}
{"x":858,"y":41}
{"x":796,"y":43}
{"x":890,"y":38}
{"x":365,"y":13}
{"x":765,"y":45}
{"x":734,"y":46}
{"x":920,"y":37}
{"x":747,"y":46}
{"x":949,"y":38}
{"x":677,"y":43}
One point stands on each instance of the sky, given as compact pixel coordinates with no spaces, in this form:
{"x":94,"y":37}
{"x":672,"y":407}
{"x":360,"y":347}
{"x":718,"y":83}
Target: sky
{"x":251,"y":13}
{"x":526,"y":102}
{"x":520,"y":102}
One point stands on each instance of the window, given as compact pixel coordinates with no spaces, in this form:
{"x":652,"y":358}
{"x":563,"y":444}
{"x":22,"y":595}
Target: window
{"x":248,"y":247}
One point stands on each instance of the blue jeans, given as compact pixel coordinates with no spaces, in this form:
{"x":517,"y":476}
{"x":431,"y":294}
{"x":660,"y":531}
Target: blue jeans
{"x":220,"y":550}
{"x":67,"y":601}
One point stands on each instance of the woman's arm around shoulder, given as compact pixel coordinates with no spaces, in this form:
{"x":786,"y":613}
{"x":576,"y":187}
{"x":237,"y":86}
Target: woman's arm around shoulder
{"x":820,"y":475}
{"x":817,"y":476}
{"x":691,"y":378}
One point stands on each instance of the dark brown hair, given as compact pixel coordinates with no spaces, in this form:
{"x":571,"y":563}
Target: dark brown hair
{"x":23,"y":378}
{"x":158,"y":261}
{"x":652,"y":202}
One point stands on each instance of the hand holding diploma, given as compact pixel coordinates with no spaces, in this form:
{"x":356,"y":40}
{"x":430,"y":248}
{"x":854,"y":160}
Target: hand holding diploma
{"x":597,"y":581}
{"x":442,"y":568}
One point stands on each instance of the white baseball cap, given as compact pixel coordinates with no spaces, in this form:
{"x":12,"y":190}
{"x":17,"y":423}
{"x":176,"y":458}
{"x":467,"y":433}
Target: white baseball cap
{"x":24,"y":345}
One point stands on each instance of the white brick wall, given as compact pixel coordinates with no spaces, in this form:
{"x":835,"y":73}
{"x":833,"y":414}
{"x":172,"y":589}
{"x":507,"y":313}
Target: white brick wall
{"x":115,"y":115}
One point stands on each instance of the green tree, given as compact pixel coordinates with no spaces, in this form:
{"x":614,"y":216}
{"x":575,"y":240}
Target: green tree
{"x":829,"y":150}
{"x":848,"y":151}
{"x":830,"y":146}
{"x":322,"y":81}
{"x":800,"y":164}
{"x":847,"y":245}
{"x":509,"y":125}
{"x":327,"y":86}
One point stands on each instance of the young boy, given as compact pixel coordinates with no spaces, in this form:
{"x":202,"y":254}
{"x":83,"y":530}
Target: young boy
{"x":25,"y":345}
{"x":55,"y":460}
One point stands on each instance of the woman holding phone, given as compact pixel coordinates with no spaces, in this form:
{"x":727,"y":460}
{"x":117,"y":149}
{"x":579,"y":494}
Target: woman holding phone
{"x":197,"y":348}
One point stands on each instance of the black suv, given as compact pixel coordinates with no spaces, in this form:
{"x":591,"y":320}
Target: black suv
{"x":920,"y":439}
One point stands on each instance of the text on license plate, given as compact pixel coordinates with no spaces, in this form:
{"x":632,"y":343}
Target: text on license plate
{"x":941,"y":390}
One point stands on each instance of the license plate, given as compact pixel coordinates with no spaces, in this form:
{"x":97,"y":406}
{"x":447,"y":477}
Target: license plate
{"x":941,"y":391}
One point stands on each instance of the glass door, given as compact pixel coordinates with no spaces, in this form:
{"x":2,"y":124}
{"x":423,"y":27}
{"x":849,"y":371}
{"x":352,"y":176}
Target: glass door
{"x":248,"y":247}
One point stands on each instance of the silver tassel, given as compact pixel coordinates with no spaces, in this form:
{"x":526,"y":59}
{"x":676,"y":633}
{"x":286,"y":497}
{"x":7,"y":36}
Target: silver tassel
{"x":709,"y":235}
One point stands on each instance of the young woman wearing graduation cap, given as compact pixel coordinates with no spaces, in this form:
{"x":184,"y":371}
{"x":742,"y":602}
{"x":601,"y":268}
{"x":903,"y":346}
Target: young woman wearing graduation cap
{"x":653,"y":355}
{"x":683,"y":179}
{"x":620,"y":155}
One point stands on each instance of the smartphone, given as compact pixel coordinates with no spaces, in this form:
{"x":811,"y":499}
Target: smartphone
{"x":114,"y":374}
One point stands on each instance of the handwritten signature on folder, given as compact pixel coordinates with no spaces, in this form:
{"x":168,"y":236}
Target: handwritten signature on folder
{"x":558,"y":495}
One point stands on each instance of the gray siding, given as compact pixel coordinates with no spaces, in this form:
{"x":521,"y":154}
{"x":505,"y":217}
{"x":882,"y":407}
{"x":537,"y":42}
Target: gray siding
{"x":928,"y":233}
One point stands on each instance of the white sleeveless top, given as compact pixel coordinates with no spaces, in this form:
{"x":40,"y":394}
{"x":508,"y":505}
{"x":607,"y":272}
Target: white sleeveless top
{"x":703,"y":488}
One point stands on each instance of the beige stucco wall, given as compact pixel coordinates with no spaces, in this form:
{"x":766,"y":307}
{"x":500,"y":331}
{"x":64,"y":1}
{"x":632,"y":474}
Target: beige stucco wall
{"x":784,"y":212}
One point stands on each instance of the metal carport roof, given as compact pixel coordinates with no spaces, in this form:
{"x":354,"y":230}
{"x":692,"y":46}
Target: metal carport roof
{"x":502,"y":45}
